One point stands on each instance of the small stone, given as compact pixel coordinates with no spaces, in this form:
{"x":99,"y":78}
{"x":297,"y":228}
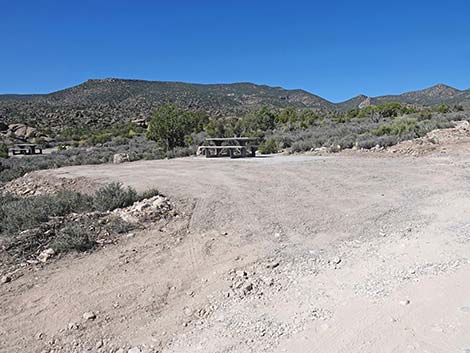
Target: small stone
{"x":241,"y":273}
{"x":336,"y":260}
{"x":5,"y":279}
{"x":89,"y":315}
{"x":39,"y":336}
{"x":46,"y":255}
{"x":248,"y":287}
{"x":465,"y":309}
{"x":273,"y":265}
{"x":99,"y":344}
{"x":134,"y":350}
{"x":269,"y":281}
{"x":405,"y":302}
{"x":187,"y":311}
{"x":73,"y":326}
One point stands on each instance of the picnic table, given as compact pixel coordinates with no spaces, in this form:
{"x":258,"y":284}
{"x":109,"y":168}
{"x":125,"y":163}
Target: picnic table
{"x":233,"y":147}
{"x":26,"y":148}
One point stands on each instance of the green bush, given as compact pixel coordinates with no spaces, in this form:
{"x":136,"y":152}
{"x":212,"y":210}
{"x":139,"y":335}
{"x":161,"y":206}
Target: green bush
{"x":73,"y":237}
{"x":269,"y":147}
{"x":3,"y":151}
{"x":113,"y":196}
{"x":18,"y":214}
{"x":442,"y":108}
{"x":398,"y":127}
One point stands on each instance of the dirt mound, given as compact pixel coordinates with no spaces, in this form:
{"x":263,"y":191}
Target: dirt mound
{"x":34,"y":184}
{"x":434,"y":141}
{"x":82,"y":232}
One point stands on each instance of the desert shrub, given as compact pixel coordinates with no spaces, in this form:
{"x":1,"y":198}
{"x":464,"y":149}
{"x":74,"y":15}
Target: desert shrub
{"x":366,"y":132}
{"x":117,"y":225}
{"x":91,"y":136}
{"x":73,"y":237}
{"x":442,"y":108}
{"x":268,"y":147}
{"x":18,"y":214}
{"x":137,"y":148}
{"x":147,"y":194}
{"x":112,"y":196}
{"x":3,"y":150}
{"x":398,"y":127}
{"x":179,"y":152}
{"x":65,"y":221}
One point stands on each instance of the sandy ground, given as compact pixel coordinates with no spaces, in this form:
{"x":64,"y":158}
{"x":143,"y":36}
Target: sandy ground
{"x":277,"y":254}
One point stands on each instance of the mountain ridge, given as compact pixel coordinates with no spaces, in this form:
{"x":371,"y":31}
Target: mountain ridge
{"x":109,"y":100}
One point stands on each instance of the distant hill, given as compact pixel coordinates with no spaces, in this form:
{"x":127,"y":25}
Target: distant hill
{"x":107,"y":101}
{"x":427,"y":97}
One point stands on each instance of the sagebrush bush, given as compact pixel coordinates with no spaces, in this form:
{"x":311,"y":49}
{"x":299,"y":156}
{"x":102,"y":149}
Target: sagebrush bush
{"x":114,"y":195}
{"x":74,"y":237}
{"x":3,"y":150}
{"x":17,"y":214}
{"x":268,"y":146}
{"x":366,"y":132}
{"x":21,"y":213}
{"x":65,"y":221}
{"x":137,"y":148}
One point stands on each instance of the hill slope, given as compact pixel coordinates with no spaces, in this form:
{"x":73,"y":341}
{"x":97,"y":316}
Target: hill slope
{"x":427,"y":97}
{"x":107,"y":101}
{"x":102,"y":102}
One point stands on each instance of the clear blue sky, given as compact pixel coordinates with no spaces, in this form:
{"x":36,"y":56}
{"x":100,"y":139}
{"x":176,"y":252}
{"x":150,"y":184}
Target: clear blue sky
{"x":336,"y":49}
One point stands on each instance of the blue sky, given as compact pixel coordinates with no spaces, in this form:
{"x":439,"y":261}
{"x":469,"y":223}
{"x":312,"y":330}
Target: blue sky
{"x":336,"y":49}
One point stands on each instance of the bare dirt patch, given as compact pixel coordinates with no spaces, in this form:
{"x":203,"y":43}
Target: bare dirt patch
{"x":281,"y":254}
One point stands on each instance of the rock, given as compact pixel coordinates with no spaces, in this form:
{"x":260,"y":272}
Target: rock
{"x":39,"y":336}
{"x":134,"y":350}
{"x":336,"y":260}
{"x":120,"y":158}
{"x":5,"y":279}
{"x":241,"y":273}
{"x":150,"y":209}
{"x":140,"y":122}
{"x":272,"y":265}
{"x":465,"y":309}
{"x":89,"y":316}
{"x":73,"y":326}
{"x":99,"y":344}
{"x":405,"y":302}
{"x":247,"y":287}
{"x":46,"y":255}
{"x":187,"y":311}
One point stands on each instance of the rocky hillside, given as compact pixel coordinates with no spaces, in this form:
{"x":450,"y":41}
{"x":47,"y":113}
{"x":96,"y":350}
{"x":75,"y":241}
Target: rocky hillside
{"x":431,"y":96}
{"x":103,"y":102}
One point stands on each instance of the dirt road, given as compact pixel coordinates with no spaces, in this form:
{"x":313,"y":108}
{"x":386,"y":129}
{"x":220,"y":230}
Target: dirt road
{"x":280,"y":254}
